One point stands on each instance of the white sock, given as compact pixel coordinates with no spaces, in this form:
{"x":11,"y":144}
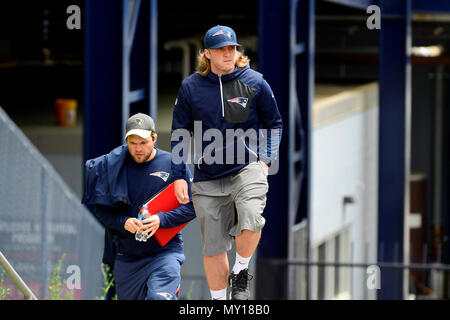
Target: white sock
{"x":240,"y":263}
{"x":219,"y":294}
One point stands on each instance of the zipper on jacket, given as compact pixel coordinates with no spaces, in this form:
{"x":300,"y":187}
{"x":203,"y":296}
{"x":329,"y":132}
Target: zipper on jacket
{"x":249,"y":150}
{"x":199,"y":161}
{"x":221,"y":94}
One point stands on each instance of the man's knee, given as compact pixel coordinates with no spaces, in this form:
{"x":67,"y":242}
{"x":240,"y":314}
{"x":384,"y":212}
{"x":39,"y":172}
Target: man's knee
{"x":164,"y":283}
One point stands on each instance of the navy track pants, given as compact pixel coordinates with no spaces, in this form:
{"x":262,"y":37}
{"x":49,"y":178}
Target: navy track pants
{"x":151,"y":278}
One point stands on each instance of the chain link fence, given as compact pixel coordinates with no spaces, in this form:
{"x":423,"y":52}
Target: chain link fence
{"x":41,"y":220}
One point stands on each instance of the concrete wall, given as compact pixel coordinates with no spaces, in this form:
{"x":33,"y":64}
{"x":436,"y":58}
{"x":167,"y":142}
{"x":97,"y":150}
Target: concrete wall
{"x":344,"y":166}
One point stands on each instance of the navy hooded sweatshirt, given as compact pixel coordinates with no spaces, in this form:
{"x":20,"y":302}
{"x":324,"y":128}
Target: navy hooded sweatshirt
{"x":234,"y":119}
{"x":117,"y":186}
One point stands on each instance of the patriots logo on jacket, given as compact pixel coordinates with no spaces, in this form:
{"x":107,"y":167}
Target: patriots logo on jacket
{"x":239,"y":100}
{"x":163,"y":175}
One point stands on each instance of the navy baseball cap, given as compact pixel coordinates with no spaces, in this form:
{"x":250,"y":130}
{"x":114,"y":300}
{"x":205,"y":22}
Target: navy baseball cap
{"x":220,"y":36}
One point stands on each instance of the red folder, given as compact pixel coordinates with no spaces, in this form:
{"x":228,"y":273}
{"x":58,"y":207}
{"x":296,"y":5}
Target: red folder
{"x":164,"y":201}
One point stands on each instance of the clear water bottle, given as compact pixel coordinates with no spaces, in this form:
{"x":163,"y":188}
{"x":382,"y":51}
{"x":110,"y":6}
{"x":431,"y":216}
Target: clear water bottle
{"x":143,"y":214}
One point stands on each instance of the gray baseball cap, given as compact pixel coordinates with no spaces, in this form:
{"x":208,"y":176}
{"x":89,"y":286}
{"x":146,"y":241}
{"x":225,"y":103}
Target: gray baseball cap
{"x":141,"y":125}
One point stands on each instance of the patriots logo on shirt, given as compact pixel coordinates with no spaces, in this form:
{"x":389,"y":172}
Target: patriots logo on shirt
{"x":163,"y":175}
{"x":239,"y":100}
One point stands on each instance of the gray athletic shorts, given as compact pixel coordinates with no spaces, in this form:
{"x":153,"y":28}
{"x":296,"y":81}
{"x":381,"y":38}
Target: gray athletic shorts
{"x":228,"y":205}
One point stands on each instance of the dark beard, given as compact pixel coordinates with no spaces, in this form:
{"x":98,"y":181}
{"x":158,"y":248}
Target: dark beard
{"x":145,"y":159}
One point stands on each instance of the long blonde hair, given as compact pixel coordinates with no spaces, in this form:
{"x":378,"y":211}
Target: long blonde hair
{"x":203,"y":64}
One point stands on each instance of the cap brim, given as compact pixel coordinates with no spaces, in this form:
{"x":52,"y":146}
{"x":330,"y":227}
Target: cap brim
{"x":139,"y":132}
{"x":224,"y":44}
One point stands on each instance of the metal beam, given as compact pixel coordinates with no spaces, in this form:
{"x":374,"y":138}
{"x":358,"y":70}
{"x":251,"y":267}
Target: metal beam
{"x":301,"y":96}
{"x":418,"y":6}
{"x":394,"y":145}
{"x":427,"y":6}
{"x":358,"y":4}
{"x":273,"y":32}
{"x":140,"y":41}
{"x":153,"y":65}
{"x":130,"y":14}
{"x":102,"y":77}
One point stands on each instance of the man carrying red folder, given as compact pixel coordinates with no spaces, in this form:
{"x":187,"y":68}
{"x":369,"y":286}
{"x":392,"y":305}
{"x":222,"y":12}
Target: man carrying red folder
{"x":118,"y":183}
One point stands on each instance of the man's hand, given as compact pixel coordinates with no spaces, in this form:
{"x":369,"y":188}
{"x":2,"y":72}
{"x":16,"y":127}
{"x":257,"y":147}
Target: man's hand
{"x":181,"y":191}
{"x":150,"y":225}
{"x":132,"y":225}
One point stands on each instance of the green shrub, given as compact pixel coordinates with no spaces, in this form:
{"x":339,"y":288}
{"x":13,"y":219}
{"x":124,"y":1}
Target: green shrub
{"x":108,"y":282}
{"x":55,"y":284}
{"x":3,"y":291}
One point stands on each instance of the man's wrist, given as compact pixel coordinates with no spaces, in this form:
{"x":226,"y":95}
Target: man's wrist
{"x":161,"y":217}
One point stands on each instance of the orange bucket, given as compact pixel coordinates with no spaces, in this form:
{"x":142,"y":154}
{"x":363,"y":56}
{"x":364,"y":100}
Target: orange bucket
{"x":66,"y":112}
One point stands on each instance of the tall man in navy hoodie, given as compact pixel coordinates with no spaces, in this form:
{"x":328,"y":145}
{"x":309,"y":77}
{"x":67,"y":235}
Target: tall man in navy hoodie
{"x":237,"y":126}
{"x":117,"y":184}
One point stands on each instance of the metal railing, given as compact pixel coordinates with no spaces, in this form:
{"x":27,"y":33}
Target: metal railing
{"x":16,"y":279}
{"x":333,"y":268}
{"x":433,"y":277}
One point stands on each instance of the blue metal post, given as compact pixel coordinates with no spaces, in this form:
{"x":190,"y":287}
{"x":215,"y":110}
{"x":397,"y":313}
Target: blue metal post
{"x":394,"y":144}
{"x":102,"y":77}
{"x":130,"y":13}
{"x":301,"y":96}
{"x":140,"y":34}
{"x":153,"y":66}
{"x":273,"y":39}
{"x":290,"y":72}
